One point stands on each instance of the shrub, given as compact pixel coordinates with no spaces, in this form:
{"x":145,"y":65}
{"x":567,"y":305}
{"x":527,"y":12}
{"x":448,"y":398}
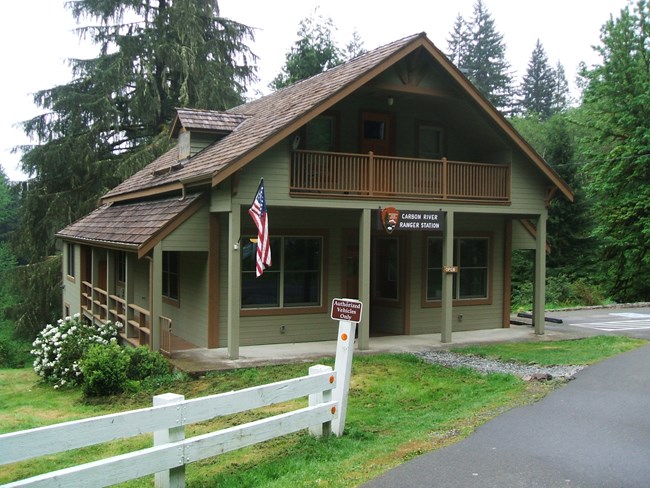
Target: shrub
{"x":110,"y":369}
{"x":144,"y":363}
{"x":59,"y":348}
{"x":104,"y":369}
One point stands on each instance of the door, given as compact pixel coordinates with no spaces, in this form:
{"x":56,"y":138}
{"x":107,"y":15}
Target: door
{"x":376,"y":133}
{"x":387,"y":307}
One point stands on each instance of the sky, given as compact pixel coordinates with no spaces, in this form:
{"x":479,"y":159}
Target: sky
{"x":38,"y":37}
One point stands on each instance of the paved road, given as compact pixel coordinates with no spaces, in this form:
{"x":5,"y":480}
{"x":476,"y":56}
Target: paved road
{"x":593,"y":432}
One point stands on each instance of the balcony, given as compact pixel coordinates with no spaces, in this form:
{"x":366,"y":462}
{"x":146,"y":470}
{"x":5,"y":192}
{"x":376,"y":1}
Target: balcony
{"x":321,"y":174}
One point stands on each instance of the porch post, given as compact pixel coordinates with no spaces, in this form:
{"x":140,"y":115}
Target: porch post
{"x":364,"y":277}
{"x":155,"y":296}
{"x":539,"y":298}
{"x":447,"y":278}
{"x":234,"y":279}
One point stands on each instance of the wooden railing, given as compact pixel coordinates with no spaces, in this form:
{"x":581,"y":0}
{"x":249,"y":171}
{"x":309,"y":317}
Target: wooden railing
{"x":99,"y":306}
{"x":367,"y":175}
{"x":165,"y":327}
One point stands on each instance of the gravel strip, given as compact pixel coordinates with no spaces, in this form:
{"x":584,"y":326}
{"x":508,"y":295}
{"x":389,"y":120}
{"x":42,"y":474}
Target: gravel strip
{"x":483,"y":365}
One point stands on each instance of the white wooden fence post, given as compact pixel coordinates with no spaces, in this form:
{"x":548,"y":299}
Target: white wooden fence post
{"x":343,"y":368}
{"x":175,"y":477}
{"x":317,"y":398}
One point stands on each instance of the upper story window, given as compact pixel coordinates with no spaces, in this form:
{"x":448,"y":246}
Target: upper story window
{"x":170,"y":275}
{"x":429,"y":141}
{"x":294,"y":280}
{"x":471,"y":255}
{"x":320,"y":133}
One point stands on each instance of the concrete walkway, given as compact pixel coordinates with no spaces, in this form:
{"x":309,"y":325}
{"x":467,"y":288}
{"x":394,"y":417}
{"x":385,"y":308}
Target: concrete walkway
{"x":593,"y":432}
{"x":202,"y":360}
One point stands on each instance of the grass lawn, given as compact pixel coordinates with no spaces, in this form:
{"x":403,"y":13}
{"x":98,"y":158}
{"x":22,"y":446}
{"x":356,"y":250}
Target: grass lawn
{"x":399,"y":407}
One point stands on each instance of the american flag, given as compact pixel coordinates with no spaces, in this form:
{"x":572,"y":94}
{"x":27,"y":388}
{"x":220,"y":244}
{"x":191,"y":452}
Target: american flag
{"x":260,"y":216}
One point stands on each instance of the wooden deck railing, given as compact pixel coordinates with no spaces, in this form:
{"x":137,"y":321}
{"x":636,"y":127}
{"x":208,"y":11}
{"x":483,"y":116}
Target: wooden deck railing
{"x":367,"y":175}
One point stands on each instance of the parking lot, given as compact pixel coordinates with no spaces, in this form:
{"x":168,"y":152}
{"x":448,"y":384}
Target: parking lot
{"x":632,"y":321}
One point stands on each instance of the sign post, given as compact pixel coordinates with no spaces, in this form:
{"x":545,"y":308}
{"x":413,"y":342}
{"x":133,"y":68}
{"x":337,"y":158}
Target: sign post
{"x":348,"y":313}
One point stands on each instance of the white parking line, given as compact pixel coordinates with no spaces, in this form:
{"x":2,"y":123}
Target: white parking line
{"x":617,"y":325}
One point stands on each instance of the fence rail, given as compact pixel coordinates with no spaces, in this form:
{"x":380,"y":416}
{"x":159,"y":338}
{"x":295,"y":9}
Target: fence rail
{"x":326,"y":389}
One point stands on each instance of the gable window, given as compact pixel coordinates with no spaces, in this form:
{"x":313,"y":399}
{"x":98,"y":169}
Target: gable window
{"x":320,"y":134}
{"x":170,"y":275}
{"x":471,"y":255}
{"x":429,"y":141}
{"x":70,"y":257}
{"x":294,"y":280}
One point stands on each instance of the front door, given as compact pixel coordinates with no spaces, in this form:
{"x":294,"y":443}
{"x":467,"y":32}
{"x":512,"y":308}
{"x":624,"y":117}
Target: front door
{"x":376,"y":133}
{"x":387,"y":294}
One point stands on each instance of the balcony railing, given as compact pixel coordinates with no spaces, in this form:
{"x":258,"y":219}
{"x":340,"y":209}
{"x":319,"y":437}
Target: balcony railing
{"x":370,"y":176}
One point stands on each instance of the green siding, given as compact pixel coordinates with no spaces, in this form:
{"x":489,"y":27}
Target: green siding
{"x":72,"y":288}
{"x":190,"y":318}
{"x":521,"y":238}
{"x":191,"y":235}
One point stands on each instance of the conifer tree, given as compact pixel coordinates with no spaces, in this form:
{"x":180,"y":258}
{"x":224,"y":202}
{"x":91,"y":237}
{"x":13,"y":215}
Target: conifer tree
{"x":110,"y":120}
{"x":538,"y":87}
{"x":561,"y":95}
{"x":484,"y":58}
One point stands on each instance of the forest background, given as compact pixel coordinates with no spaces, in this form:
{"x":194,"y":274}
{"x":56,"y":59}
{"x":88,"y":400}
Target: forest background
{"x":112,"y":119}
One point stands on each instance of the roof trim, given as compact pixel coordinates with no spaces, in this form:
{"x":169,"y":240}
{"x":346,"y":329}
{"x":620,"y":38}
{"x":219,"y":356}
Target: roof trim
{"x":420,"y":40}
{"x":148,"y":192}
{"x":172,"y":225}
{"x":332,"y":100}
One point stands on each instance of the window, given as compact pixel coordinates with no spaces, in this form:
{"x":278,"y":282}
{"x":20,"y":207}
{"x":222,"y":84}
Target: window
{"x":294,"y":279}
{"x":70,"y":255}
{"x":320,"y":134}
{"x":170,"y":277}
{"x":429,"y":142}
{"x":120,"y":267}
{"x":471,"y":255}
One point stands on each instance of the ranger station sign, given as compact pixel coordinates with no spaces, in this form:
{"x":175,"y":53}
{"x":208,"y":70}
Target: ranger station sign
{"x":418,"y":220}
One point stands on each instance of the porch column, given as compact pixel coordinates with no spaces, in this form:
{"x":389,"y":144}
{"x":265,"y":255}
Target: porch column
{"x":447,"y":278}
{"x":234,"y":279}
{"x":364,"y":277}
{"x":539,"y":298}
{"x":155,"y":296}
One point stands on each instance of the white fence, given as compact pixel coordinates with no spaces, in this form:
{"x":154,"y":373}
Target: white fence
{"x":327,"y":391}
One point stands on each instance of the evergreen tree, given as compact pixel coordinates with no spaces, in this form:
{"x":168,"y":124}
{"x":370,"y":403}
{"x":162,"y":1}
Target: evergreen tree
{"x":355,"y":47}
{"x":110,"y":120}
{"x":458,"y":44}
{"x":561,"y":95}
{"x":479,"y":51}
{"x":616,"y":110}
{"x":538,"y":86}
{"x":314,"y":52}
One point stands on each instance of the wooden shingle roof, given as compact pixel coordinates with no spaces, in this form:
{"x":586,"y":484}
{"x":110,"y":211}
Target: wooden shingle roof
{"x":265,"y":118}
{"x":205,"y":120}
{"x":134,"y":226}
{"x":265,"y":121}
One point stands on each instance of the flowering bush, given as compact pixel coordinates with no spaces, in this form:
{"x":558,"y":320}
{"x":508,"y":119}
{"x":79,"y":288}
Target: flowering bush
{"x":59,"y":348}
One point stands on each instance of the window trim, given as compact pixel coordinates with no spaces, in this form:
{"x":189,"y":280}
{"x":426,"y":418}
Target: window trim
{"x":426,"y":303}
{"x":177,"y":274}
{"x":312,"y":309}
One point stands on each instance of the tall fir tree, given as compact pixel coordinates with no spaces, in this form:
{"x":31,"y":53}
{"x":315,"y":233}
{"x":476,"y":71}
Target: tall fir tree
{"x":561,"y":93}
{"x":458,"y":43}
{"x":110,"y":120}
{"x":484,"y":57}
{"x":616,"y":110}
{"x":538,"y":86}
